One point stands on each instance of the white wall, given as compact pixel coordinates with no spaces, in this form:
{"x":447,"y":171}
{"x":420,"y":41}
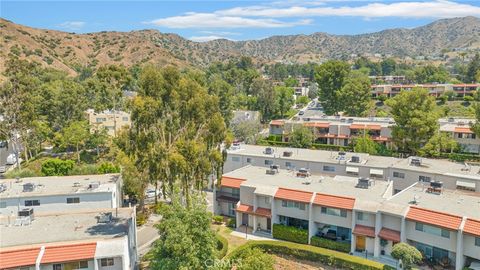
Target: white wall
{"x":246,"y":195}
{"x":469,"y":248}
{"x":117,"y":264}
{"x":291,"y":212}
{"x":391,"y":222}
{"x":49,"y":266}
{"x":430,"y":239}
{"x":369,"y":219}
{"x":261,"y":201}
{"x":331,"y":220}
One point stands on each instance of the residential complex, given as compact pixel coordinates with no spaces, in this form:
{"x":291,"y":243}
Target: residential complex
{"x":113,"y":121}
{"x":391,"y":90}
{"x":95,"y":239}
{"x":367,"y":201}
{"x":337,"y":130}
{"x":64,"y":193}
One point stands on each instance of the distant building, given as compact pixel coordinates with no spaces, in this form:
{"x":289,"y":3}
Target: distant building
{"x":113,"y":121}
{"x":60,"y":193}
{"x":244,"y":116}
{"x":391,"y":90}
{"x":102,"y":239}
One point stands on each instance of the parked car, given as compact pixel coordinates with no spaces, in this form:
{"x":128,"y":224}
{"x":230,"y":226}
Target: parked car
{"x":11,"y":159}
{"x":301,"y":113}
{"x":3,"y":144}
{"x":3,"y":169}
{"x":150,"y":193}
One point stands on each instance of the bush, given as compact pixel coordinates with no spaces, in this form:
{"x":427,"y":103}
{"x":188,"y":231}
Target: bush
{"x":22,"y":173}
{"x":57,"y":167}
{"x":217,"y":219}
{"x":289,"y":233}
{"x":255,"y":259}
{"x":232,"y":222}
{"x":108,"y":167}
{"x":85,"y":169}
{"x":333,"y":258}
{"x":407,"y":253}
{"x":330,"y":244}
{"x":141,"y":218}
{"x":222,"y":246}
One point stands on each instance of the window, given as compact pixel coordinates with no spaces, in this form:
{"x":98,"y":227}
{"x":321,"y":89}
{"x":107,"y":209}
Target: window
{"x":288,"y":164}
{"x":423,"y":178}
{"x":106,"y":262}
{"x":477,"y":241}
{"x":3,"y":204}
{"x":32,"y":203}
{"x":235,"y":191}
{"x":268,"y":162}
{"x":398,"y":175}
{"x":249,"y":160}
{"x":432,"y":230}
{"x":73,"y":200}
{"x":57,"y":266}
{"x":334,"y":211}
{"x":231,"y":209}
{"x":125,"y":118}
{"x":361,"y":216}
{"x":329,"y":168}
{"x":292,"y":204}
{"x":99,"y":120}
{"x":82,"y":264}
{"x":236,"y":159}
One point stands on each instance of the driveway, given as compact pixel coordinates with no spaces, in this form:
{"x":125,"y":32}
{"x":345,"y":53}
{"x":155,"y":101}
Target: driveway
{"x":147,"y":234}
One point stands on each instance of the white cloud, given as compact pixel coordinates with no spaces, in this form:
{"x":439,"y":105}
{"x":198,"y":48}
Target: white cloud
{"x":428,"y":9}
{"x":217,"y":21}
{"x":207,"y":38}
{"x":72,"y":25}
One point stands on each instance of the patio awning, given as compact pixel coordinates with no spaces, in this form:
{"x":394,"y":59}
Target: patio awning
{"x":465,"y":184}
{"x":389,"y":234}
{"x":352,"y":169}
{"x":376,"y":172}
{"x":364,"y":230}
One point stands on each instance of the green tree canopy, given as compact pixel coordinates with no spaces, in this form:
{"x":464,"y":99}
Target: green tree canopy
{"x":301,"y":137}
{"x":365,"y":144}
{"x":439,"y":143}
{"x":356,"y":95}
{"x":407,"y":253}
{"x":255,"y":259}
{"x":416,"y":116}
{"x":284,"y":99}
{"x":330,"y":77}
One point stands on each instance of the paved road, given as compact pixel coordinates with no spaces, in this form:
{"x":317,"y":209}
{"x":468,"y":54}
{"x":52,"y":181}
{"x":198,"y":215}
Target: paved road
{"x":147,"y":234}
{"x":4,"y":152}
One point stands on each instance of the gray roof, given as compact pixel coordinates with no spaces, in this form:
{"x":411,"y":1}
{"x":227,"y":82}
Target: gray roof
{"x":57,"y":185}
{"x":62,"y":227}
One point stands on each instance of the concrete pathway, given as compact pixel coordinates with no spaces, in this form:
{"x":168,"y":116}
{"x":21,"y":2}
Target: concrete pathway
{"x":147,"y":234}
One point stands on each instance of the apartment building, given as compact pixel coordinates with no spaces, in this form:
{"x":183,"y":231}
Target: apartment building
{"x":60,"y":193}
{"x":365,"y":212}
{"x":403,"y":172}
{"x":102,"y":239}
{"x":391,"y":90}
{"x":113,"y":121}
{"x":337,"y":130}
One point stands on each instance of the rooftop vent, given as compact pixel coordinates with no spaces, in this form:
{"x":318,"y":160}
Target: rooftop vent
{"x":28,"y":187}
{"x":3,"y":187}
{"x":350,"y":120}
{"x":363,"y":183}
{"x":105,"y":217}
{"x":343,"y":120}
{"x":355,"y":159}
{"x":273,"y":169}
{"x":303,"y":172}
{"x":93,"y":185}
{"x":269,"y":151}
{"x":415,"y":161}
{"x":341,"y":156}
{"x":451,"y":120}
{"x":287,"y":153}
{"x":76,"y":184}
{"x":435,"y":187}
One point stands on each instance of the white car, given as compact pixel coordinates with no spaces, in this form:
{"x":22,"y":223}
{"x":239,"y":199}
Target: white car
{"x":3,"y":169}
{"x":11,"y":159}
{"x":150,"y":193}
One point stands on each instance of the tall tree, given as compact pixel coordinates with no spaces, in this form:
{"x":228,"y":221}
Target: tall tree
{"x":75,"y":135}
{"x":266,"y":96}
{"x":330,"y":77}
{"x":285,"y":99}
{"x":473,"y":68}
{"x":301,"y":137}
{"x":355,"y":95}
{"x":416,"y":116}
{"x":365,"y":144}
{"x":439,"y":143}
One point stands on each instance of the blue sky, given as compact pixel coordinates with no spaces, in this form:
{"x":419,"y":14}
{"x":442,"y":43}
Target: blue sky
{"x":235,"y":20}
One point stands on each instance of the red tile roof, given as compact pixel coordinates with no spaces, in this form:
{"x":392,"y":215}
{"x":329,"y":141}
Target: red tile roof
{"x":72,"y":252}
{"x":362,"y":126}
{"x":317,"y":124}
{"x":389,"y":234}
{"x":277,"y":122}
{"x":231,"y":182}
{"x":364,"y":230}
{"x":18,"y":257}
{"x":380,"y":138}
{"x":334,"y":201}
{"x":435,"y":218}
{"x":472,"y":226}
{"x":248,"y":209}
{"x":294,"y":195}
{"x":463,"y":130}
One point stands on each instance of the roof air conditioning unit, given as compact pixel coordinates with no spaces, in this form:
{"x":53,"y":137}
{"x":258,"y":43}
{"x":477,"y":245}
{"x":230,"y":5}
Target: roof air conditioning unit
{"x":269,"y":151}
{"x":451,"y":120}
{"x":363,"y":183}
{"x":415,"y":161}
{"x":3,"y":187}
{"x":287,"y":153}
{"x":26,"y":212}
{"x":93,"y":185}
{"x":105,"y":217}
{"x":343,"y":120}
{"x":350,"y":120}
{"x":28,"y":187}
{"x":355,"y":159}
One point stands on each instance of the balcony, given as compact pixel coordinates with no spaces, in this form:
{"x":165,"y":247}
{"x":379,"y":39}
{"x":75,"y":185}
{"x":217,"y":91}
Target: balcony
{"x":228,"y":196}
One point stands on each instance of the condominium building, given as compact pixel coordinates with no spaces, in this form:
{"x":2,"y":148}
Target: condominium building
{"x":391,"y":90}
{"x":367,"y":213}
{"x":102,"y":239}
{"x":113,"y":121}
{"x":60,"y":193}
{"x":403,"y":172}
{"x":337,"y":130}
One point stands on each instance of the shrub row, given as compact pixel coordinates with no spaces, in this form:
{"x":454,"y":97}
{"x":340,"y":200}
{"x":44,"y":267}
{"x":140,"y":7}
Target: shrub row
{"x":222,"y":246}
{"x":289,"y":233}
{"x":315,"y":254}
{"x":330,"y":244}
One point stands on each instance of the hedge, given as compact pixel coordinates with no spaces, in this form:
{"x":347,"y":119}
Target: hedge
{"x":222,"y":246}
{"x":289,"y":233}
{"x":330,"y":244}
{"x":310,"y":253}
